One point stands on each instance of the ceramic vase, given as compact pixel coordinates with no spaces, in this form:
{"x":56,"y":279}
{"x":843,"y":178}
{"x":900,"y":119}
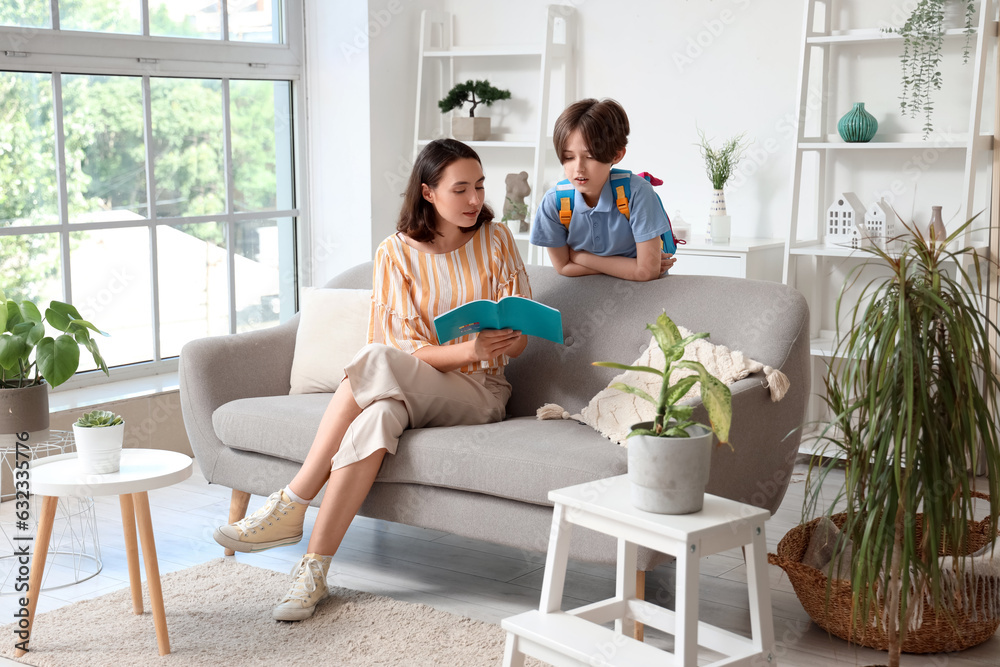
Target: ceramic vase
{"x":936,"y":230}
{"x":24,"y":411}
{"x":669,"y":475}
{"x":857,"y":125}
{"x":99,"y":448}
{"x":716,"y":208}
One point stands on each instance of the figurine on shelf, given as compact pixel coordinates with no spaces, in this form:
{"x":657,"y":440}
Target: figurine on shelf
{"x":880,"y":223}
{"x":515,"y":211}
{"x":846,"y":211}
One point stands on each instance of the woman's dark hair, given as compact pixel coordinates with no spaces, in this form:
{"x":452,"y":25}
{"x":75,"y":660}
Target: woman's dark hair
{"x":417,"y":219}
{"x":604,"y":126}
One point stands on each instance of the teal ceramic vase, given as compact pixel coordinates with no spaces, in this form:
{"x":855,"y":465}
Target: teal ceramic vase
{"x":857,"y":125}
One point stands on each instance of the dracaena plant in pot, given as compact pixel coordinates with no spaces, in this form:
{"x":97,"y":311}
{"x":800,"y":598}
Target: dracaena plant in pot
{"x":99,"y":436}
{"x":669,"y":458}
{"x":31,"y":361}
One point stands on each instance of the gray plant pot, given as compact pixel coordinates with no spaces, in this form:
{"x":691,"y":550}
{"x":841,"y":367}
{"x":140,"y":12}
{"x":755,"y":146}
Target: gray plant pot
{"x":465,"y":128}
{"x":24,"y":410}
{"x":669,"y":475}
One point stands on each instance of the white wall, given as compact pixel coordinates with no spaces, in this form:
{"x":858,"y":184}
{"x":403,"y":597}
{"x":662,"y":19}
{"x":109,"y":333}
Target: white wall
{"x":727,"y":66}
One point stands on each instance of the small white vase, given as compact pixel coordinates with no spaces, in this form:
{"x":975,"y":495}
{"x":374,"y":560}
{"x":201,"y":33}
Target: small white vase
{"x":718,"y":205}
{"x":669,"y":475}
{"x":719,"y":226}
{"x":99,"y":448}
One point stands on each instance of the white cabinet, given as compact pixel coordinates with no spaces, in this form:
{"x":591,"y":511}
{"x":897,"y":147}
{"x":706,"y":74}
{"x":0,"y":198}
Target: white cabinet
{"x":757,"y":259}
{"x":538,"y":74}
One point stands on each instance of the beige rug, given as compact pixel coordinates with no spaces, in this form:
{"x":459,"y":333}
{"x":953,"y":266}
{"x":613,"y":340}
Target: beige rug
{"x":228,"y":622}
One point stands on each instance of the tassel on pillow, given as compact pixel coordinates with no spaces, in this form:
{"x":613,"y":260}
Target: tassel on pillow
{"x":553,"y":411}
{"x":777,"y":382}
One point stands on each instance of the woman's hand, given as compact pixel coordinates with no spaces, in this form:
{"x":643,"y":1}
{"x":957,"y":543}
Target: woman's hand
{"x":491,"y":343}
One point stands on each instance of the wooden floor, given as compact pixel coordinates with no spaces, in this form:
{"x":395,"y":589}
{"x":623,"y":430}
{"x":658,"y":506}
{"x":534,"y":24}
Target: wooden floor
{"x":475,"y":579}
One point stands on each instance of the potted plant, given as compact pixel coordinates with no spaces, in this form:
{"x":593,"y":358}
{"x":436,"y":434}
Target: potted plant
{"x":476,"y":93}
{"x":923,"y":36}
{"x":31,"y":362}
{"x":719,"y":165}
{"x":99,"y":436}
{"x":912,"y":398}
{"x":669,"y":458}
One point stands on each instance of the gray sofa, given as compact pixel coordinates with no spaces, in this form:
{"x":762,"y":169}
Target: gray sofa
{"x":491,"y":482}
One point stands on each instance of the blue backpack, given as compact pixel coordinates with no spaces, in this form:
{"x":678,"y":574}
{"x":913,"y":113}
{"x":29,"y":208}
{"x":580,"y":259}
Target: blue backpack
{"x":566,"y":194}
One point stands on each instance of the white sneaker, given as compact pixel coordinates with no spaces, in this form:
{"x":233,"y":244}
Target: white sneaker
{"x":276,"y":524}
{"x":308,"y":589}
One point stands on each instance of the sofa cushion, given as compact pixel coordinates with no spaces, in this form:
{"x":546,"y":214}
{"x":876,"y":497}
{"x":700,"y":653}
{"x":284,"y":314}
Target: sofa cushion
{"x":332,"y":328}
{"x":521,"y":459}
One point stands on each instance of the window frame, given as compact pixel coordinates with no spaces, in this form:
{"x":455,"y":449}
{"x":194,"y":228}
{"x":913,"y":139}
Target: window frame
{"x":56,"y":52}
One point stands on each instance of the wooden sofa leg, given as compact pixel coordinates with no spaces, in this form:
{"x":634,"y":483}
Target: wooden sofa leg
{"x":237,"y":509}
{"x":640,"y":594}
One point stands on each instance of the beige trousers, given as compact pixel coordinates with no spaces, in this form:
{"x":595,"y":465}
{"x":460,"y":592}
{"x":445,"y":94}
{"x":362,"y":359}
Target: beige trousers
{"x":396,"y":391}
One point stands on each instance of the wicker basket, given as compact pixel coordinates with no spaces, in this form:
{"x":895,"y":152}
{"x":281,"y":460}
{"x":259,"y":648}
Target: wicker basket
{"x":833,"y":614}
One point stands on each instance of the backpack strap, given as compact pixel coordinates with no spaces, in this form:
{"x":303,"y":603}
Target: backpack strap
{"x":565,"y":195}
{"x":622,"y":189}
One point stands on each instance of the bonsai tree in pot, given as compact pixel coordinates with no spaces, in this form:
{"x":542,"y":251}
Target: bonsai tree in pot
{"x":475,"y":93}
{"x":669,"y":458}
{"x":31,"y":361}
{"x":720,"y":164}
{"x":913,"y":398}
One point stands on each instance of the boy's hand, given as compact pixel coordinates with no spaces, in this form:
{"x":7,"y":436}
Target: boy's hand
{"x":666,"y":261}
{"x":491,"y":343}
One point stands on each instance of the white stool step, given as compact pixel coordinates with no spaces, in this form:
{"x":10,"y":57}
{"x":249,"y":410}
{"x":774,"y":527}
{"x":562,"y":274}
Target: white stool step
{"x":582,"y":641}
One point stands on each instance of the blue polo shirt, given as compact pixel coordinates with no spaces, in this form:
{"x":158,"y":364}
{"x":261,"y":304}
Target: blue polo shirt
{"x":602,"y":230}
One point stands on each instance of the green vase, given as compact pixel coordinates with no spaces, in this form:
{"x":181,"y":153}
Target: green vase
{"x":857,"y":125}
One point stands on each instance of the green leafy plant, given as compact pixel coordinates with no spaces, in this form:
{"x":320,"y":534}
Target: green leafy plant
{"x":99,"y":418}
{"x":923,"y":37}
{"x":22,"y":332}
{"x":673,"y":420}
{"x":476,"y":92}
{"x":721,"y":163}
{"x":514,"y":210}
{"x":913,"y":400}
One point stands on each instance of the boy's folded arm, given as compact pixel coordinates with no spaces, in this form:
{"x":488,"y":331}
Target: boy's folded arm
{"x":560,"y":258}
{"x":645,"y":266}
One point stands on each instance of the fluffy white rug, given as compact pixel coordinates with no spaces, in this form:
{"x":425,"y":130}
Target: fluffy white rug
{"x":219,"y":613}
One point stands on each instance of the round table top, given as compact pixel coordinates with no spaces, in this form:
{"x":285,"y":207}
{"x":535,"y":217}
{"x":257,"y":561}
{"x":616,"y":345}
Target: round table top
{"x":141,"y":470}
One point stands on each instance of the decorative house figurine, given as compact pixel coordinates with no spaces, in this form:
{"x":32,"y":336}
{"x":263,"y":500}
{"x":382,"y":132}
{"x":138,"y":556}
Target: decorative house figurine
{"x":841,"y":218}
{"x":880,"y":223}
{"x":859,"y":237}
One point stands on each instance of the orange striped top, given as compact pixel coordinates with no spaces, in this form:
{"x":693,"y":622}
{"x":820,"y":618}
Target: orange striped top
{"x":412,"y":287}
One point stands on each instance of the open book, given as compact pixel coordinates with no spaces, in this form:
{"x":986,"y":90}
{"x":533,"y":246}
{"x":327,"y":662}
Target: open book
{"x":511,"y":312}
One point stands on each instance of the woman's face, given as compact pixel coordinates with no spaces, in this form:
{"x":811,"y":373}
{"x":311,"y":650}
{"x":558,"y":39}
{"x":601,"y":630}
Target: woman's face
{"x":459,"y":195}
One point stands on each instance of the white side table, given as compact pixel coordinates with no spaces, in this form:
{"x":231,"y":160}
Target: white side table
{"x":577,"y":637}
{"x":141,"y":470}
{"x":742,"y":257}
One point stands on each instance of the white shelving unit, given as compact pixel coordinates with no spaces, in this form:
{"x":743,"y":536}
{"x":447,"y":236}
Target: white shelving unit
{"x":809,"y":264}
{"x":439,"y":62}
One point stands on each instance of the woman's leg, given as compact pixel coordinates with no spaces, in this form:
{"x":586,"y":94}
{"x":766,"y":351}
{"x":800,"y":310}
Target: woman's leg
{"x":346,"y":490}
{"x":315,"y":470}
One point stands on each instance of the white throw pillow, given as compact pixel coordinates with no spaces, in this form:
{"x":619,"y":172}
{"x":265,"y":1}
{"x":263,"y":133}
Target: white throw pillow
{"x":613,"y":412}
{"x":333,"y":326}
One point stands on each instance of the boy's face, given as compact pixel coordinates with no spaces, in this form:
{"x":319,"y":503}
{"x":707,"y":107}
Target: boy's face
{"x":586,"y":174}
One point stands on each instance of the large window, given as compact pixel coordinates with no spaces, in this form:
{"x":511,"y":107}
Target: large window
{"x":147,"y":166}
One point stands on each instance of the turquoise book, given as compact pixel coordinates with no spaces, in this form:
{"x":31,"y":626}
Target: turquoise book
{"x":511,"y":312}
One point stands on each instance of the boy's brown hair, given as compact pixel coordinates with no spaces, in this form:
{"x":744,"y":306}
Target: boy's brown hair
{"x":603,"y":125}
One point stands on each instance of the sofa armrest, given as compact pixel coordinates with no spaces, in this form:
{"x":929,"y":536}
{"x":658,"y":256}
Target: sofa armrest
{"x":219,"y":369}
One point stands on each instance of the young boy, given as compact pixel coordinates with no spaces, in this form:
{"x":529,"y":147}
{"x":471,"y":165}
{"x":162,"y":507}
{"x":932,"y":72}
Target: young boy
{"x":589,"y":137}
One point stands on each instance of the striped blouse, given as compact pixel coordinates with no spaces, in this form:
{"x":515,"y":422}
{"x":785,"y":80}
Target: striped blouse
{"x":412,"y":287}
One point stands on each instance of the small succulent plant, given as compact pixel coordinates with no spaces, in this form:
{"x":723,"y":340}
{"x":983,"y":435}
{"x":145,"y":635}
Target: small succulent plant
{"x":97,"y":418}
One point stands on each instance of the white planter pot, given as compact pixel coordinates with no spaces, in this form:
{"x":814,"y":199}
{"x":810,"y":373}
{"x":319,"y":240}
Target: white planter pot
{"x":465,"y":128}
{"x":669,"y":475}
{"x":99,"y":448}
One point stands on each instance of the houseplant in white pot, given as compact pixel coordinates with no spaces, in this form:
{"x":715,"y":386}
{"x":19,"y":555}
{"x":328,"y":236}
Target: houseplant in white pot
{"x":720,"y":163}
{"x":31,"y":361}
{"x":475,"y":93}
{"x":99,"y":436}
{"x":669,"y":458}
